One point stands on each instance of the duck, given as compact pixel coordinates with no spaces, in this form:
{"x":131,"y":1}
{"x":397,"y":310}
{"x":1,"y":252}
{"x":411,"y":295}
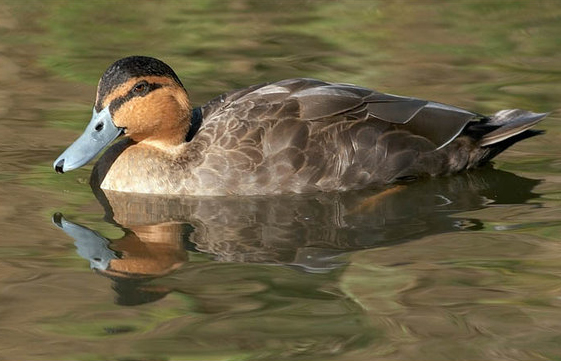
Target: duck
{"x":290,"y":136}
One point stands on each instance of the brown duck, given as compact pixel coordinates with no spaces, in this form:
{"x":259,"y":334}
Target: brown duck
{"x":295,"y":135}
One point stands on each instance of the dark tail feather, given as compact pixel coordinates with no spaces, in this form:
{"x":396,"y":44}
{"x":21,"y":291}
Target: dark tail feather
{"x":511,"y":122}
{"x":511,"y":126}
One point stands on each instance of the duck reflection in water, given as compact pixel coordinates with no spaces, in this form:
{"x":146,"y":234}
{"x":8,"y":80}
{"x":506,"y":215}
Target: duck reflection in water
{"x":310,"y":232}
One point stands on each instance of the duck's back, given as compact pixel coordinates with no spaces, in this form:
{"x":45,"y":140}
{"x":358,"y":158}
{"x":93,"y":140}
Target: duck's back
{"x":303,"y":135}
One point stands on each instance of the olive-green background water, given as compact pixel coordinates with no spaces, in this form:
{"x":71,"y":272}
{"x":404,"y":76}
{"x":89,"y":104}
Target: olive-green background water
{"x":464,"y":268}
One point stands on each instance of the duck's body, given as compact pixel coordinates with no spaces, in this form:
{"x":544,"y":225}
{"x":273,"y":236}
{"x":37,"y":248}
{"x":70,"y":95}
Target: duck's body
{"x":296,"y":135}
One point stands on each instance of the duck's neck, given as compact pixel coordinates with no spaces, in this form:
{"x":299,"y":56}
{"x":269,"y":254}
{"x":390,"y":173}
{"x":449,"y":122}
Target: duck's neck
{"x":169,"y":139}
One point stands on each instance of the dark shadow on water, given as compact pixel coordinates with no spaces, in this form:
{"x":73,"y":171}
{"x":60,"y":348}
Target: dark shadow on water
{"x":308,"y":232}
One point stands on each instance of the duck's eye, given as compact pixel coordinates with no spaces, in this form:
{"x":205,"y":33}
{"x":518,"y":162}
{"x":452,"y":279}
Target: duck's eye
{"x":140,"y":88}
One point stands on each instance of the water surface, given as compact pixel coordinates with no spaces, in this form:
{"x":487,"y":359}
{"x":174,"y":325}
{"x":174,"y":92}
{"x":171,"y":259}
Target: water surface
{"x":458,"y":268}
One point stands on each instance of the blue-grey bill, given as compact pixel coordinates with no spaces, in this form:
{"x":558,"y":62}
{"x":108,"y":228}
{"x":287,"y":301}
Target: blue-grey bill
{"x":98,"y":134}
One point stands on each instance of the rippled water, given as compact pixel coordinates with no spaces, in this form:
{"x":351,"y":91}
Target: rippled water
{"x":460,"y":268}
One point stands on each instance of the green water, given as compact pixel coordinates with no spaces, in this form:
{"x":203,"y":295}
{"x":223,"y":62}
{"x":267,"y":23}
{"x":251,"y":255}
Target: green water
{"x":460,"y":268}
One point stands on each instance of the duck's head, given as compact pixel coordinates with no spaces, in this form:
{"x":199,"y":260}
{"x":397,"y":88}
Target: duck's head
{"x":138,"y":96}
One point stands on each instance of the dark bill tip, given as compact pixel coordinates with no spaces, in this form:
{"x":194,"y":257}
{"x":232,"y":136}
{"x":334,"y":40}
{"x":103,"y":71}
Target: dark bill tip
{"x":57,"y":219}
{"x":59,"y":166}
